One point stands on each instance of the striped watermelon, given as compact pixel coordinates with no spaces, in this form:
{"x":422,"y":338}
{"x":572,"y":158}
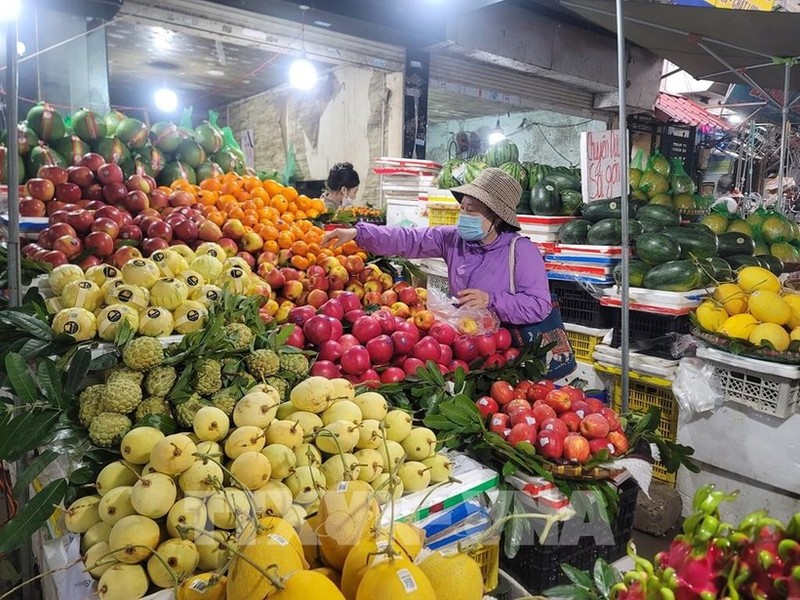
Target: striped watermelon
{"x":517,"y":171}
{"x":473,"y":169}
{"x":536,"y":172}
{"x":447,"y":179}
{"x":504,"y":151}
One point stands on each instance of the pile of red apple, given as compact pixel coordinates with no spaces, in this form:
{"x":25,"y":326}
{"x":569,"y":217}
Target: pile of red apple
{"x":385,"y":348}
{"x":96,"y":215}
{"x":563,"y":424}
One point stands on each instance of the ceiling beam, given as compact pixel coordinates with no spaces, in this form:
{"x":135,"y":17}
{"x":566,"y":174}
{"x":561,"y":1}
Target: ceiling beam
{"x":222,"y":23}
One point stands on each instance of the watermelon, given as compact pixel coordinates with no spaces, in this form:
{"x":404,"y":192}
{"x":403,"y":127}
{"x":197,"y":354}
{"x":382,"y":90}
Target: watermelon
{"x":46,"y":122}
{"x":694,"y":241}
{"x":447,"y":178}
{"x":164,"y":136}
{"x":504,"y":151}
{"x":574,"y":232}
{"x":665,"y":215}
{"x":733,"y":242}
{"x":657,"y":248}
{"x":517,"y":172}
{"x":637,"y":269}
{"x":607,"y":232}
{"x":88,"y":125}
{"x":606,"y":209}
{"x":473,"y":169}
{"x":717,"y":269}
{"x":572,"y":202}
{"x":563,"y":180}
{"x":545,"y":200}
{"x":673,"y":276}
{"x":4,"y":167}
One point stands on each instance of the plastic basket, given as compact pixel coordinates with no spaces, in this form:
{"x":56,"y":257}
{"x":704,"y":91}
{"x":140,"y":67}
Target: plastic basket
{"x":437,"y":282}
{"x":444,"y":213}
{"x":538,"y":566}
{"x":583,"y":345}
{"x":766,"y":387}
{"x":579,"y":306}
{"x":487,"y":555}
{"x":646,"y":327}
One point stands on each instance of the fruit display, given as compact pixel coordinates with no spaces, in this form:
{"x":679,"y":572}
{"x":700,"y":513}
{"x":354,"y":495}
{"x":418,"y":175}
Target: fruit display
{"x":759,"y":558}
{"x":656,"y":180}
{"x":754,"y":309}
{"x":553,"y":190}
{"x":561,"y":423}
{"x":163,"y":151}
{"x":769,"y":233}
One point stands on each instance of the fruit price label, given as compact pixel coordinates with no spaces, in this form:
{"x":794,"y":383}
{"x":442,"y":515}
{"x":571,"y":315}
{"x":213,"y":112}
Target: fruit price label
{"x":601,"y":171}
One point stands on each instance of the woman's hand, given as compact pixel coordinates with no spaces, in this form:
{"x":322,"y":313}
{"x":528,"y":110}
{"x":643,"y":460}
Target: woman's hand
{"x":472,"y":298}
{"x":338,"y":237}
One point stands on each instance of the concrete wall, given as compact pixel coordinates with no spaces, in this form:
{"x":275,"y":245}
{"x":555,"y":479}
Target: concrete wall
{"x":556,"y":141}
{"x":353,"y":115}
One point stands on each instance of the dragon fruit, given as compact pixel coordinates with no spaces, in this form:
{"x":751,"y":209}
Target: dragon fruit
{"x":761,"y":558}
{"x":697,"y":573}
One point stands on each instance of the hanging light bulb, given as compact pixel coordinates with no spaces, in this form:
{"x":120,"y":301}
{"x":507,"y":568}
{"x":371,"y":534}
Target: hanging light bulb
{"x":166,"y":100}
{"x":497,"y":134}
{"x":9,"y":10}
{"x":302,"y":74}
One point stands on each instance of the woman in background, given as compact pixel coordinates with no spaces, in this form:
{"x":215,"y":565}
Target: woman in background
{"x":342,"y":187}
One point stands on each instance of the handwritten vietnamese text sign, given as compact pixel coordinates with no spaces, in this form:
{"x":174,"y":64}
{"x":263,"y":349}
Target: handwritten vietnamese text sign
{"x":601,"y":172}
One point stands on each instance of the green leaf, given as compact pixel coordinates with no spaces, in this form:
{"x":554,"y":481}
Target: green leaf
{"x":578,"y":577}
{"x":50,"y":382}
{"x":32,"y":515}
{"x":32,"y":348}
{"x":570,"y":592}
{"x":26,"y":432}
{"x":21,"y":379}
{"x":28,"y":324}
{"x":165,"y":423}
{"x":437,"y":422}
{"x":77,"y":370}
{"x":103,"y":362}
{"x":509,"y":469}
{"x":603,"y":577}
{"x":32,"y":471}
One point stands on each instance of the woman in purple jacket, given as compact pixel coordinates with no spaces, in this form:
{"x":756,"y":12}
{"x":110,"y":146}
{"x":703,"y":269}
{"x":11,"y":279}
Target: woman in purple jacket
{"x":477,"y":250}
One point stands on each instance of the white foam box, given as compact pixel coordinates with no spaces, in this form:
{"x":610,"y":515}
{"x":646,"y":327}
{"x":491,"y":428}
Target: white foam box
{"x":405,"y":213}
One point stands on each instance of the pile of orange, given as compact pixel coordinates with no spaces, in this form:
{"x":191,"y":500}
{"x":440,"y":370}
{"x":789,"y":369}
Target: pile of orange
{"x":277,"y":213}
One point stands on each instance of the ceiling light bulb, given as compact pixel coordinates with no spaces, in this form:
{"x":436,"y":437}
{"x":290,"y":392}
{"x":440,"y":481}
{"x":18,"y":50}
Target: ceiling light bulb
{"x":21,"y":48}
{"x":495,"y":137}
{"x":9,"y":10}
{"x":166,"y":100}
{"x":302,"y":74}
{"x":734,"y":118}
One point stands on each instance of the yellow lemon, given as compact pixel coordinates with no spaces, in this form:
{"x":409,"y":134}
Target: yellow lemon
{"x":769,"y":307}
{"x":793,"y":300}
{"x":731,"y":297}
{"x":453,"y":576}
{"x":751,"y":279}
{"x":739,"y":326}
{"x":772,"y":333}
{"x":711,"y":316}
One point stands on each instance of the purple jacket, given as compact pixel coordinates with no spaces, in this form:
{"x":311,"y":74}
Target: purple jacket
{"x":473,"y":265}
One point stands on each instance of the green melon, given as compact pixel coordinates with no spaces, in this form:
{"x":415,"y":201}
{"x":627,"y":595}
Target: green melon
{"x":227,"y":160}
{"x":72,"y":148}
{"x":112,"y":149}
{"x":634,"y":177}
{"x":153,"y":158}
{"x":209,"y":137}
{"x":26,"y":138}
{"x":776,"y":229}
{"x":46,"y":122}
{"x":504,"y":151}
{"x":4,"y":167}
{"x":739,"y":226}
{"x":191,"y":153}
{"x":112,"y":121}
{"x":177,"y":170}
{"x":761,"y":248}
{"x":716,"y":222}
{"x":88,"y":125}
{"x":653,"y":184}
{"x":517,"y":172}
{"x":785,"y":251}
{"x":662,"y":199}
{"x":165,"y":137}
{"x":684,"y":202}
{"x":132,"y":132}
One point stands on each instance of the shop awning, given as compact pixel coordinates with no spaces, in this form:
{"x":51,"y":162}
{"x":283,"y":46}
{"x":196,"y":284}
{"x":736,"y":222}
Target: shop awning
{"x":685,"y":111}
{"x":709,"y":43}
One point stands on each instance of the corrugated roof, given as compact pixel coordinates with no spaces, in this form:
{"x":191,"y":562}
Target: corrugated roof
{"x":684,"y":110}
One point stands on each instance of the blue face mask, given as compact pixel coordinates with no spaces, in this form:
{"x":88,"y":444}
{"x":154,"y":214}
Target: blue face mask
{"x":470,"y":228}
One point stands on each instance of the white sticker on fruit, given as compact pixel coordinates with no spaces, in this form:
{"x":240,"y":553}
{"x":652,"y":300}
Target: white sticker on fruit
{"x":407,"y":579}
{"x":381,"y":545}
{"x":342,"y":487}
{"x":279,"y":539}
{"x":580,"y":413}
{"x":612,"y":205}
{"x":544,"y":441}
{"x":198,"y":585}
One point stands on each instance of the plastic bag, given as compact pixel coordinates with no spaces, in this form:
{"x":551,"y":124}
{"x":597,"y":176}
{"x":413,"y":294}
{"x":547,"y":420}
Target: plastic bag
{"x":186,"y":119}
{"x":680,"y":180}
{"x":696,"y":387}
{"x":659,"y":164}
{"x":465,"y":320}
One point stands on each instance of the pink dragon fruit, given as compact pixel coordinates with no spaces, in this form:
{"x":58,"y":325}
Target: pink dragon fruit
{"x":699,"y":574}
{"x":764,"y":563}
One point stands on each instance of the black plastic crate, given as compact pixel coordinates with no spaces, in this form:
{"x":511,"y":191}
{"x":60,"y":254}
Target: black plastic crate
{"x":650,"y":333}
{"x":578,"y":306}
{"x":537,"y":566}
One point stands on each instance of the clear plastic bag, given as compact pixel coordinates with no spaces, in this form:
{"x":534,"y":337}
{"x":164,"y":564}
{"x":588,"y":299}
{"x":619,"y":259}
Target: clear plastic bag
{"x":696,"y":387}
{"x":465,"y":320}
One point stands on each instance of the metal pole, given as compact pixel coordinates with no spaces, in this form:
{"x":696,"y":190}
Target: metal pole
{"x":622,"y":79}
{"x":787,"y":70}
{"x":14,"y":273}
{"x":752,"y":145}
{"x":25,"y":551}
